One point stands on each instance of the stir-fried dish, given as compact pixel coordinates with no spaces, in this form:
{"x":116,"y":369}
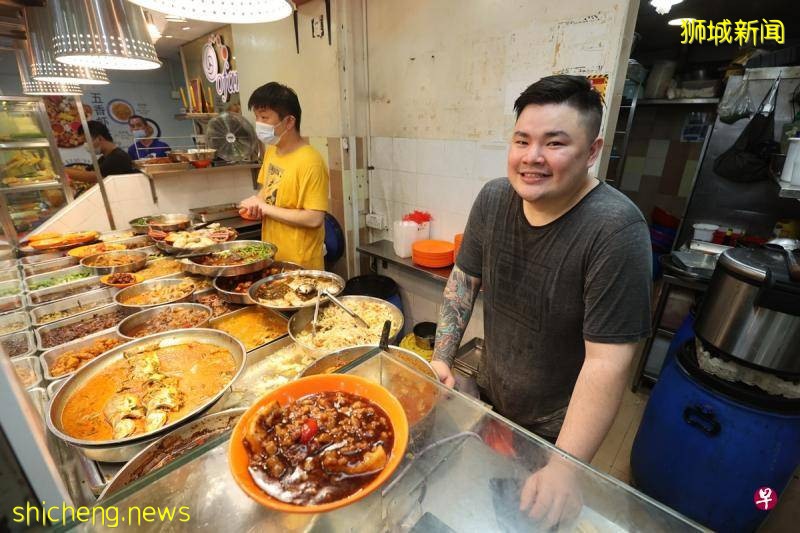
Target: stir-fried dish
{"x":190,"y":240}
{"x":169,"y":319}
{"x":160,"y":267}
{"x":160,"y":294}
{"x":12,"y":327}
{"x":242,"y":255}
{"x":54,"y":281}
{"x":146,"y":390}
{"x":337,"y":329}
{"x":296,"y":291}
{"x":318,"y":449}
{"x":241,"y":284}
{"x":78,"y":330}
{"x":72,"y":360}
{"x":218,"y":305}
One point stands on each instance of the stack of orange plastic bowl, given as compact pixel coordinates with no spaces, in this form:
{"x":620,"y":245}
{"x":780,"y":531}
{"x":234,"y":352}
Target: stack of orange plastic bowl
{"x":432,"y":254}
{"x":457,"y":244}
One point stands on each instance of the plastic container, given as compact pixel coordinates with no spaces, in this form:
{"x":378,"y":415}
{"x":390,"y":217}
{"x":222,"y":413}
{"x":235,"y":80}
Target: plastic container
{"x":659,"y":79}
{"x":406,"y":233}
{"x":374,"y":285}
{"x":704,"y":232}
{"x":705,"y":453}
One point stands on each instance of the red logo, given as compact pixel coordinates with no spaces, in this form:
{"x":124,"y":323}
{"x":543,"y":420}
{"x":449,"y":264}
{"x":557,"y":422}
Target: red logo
{"x":765,"y":498}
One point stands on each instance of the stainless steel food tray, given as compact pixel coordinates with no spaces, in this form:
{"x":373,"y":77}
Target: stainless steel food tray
{"x":40,"y":331}
{"x":16,"y":316}
{"x":136,"y":242}
{"x":469,"y":356}
{"x":40,"y":258}
{"x":10,"y":274}
{"x":12,"y":284}
{"x":320,"y":274}
{"x":40,"y":399}
{"x":7,"y":263}
{"x":120,"y":450}
{"x":49,"y":357}
{"x":12,"y":303}
{"x":241,"y":298}
{"x":145,"y":286}
{"x":49,"y":266}
{"x":29,"y":341}
{"x":29,"y":282}
{"x":214,"y":213}
{"x":137,"y":319}
{"x":100,"y":297}
{"x":59,"y":292}
{"x":214,"y":321}
{"x":52,"y":389}
{"x":189,"y":265}
{"x":31,"y":363}
{"x":139,"y":260}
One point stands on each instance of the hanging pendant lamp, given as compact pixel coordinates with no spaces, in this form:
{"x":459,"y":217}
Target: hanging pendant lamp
{"x":223,"y":11}
{"x":108,"y":34}
{"x":44,"y":66}
{"x":32,"y":87}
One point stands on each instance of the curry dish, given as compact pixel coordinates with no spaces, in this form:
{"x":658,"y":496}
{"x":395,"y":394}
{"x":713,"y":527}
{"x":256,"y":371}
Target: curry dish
{"x":253,"y":326}
{"x":147,"y":389}
{"x":318,"y":449}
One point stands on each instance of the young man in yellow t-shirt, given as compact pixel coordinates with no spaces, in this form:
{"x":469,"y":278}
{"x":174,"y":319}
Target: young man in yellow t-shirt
{"x":294,"y":180}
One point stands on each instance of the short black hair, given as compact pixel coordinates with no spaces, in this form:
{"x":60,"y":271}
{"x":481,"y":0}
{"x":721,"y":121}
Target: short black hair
{"x":97,"y":129}
{"x":140,"y":117}
{"x":574,"y":91}
{"x":280,"y":98}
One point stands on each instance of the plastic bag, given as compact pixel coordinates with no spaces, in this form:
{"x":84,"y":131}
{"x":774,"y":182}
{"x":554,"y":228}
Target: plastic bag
{"x":735,"y":105}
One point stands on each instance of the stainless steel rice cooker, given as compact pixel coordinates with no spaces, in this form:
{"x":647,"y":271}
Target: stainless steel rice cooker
{"x":752,"y":308}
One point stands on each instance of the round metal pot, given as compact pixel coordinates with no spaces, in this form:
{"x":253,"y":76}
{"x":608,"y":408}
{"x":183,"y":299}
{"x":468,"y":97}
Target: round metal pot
{"x":126,"y":327}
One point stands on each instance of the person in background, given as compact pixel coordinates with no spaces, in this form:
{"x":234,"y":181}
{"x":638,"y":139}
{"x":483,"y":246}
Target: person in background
{"x":565,"y":264}
{"x":294,"y":180}
{"x":112,"y":159}
{"x":145,"y":145}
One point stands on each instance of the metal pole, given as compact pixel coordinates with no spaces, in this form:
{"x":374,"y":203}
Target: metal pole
{"x":95,"y":165}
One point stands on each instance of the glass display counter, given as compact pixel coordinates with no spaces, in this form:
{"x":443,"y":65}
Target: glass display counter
{"x":32,"y":186}
{"x":462,"y":471}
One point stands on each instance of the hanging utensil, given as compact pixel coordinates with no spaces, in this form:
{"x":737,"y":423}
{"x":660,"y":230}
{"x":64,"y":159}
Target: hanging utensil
{"x":360,"y":321}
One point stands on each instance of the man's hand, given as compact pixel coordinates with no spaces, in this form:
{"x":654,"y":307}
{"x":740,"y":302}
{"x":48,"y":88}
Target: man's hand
{"x":445,"y":374}
{"x":256,"y":207}
{"x":551,"y":496}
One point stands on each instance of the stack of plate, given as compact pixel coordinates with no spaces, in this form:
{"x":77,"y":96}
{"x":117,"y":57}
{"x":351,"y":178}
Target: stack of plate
{"x":432,"y":254}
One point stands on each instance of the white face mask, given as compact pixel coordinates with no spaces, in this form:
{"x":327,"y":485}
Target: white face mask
{"x":266,"y":133}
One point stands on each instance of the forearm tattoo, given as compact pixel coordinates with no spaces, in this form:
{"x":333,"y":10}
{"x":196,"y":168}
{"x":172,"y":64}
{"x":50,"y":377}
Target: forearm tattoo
{"x":459,"y":299}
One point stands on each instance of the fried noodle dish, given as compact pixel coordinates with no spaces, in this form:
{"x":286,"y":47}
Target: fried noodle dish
{"x":337,"y":329}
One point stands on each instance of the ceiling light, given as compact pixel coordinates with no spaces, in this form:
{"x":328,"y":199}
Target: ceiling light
{"x":168,"y":36}
{"x":679,"y":22}
{"x":102,"y":34}
{"x":663,"y":6}
{"x":152,"y":29}
{"x":175,"y":18}
{"x":42,"y":60}
{"x":224,"y":11}
{"x":186,"y":28}
{"x":32,"y":87}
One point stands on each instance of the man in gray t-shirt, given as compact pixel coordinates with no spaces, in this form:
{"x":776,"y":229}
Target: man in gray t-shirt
{"x":565,"y":265}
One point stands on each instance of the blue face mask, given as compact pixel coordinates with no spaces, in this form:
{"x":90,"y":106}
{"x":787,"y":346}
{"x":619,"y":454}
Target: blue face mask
{"x":139,"y":134}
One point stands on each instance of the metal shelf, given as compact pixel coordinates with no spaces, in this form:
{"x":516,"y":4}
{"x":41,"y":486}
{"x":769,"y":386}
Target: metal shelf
{"x":18,"y":145}
{"x":32,"y":187}
{"x":676,"y":101}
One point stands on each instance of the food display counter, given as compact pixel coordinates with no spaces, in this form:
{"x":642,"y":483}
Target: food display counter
{"x":32,"y":187}
{"x":461,"y":472}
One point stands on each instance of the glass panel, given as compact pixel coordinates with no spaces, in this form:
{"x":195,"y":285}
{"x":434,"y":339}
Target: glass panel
{"x":29,"y":209}
{"x":27,"y":166}
{"x":19,"y":122}
{"x":463,"y":470}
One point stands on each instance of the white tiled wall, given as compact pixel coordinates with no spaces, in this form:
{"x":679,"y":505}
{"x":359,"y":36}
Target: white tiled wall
{"x":422,"y":300}
{"x":442,"y":177}
{"x":129,"y":197}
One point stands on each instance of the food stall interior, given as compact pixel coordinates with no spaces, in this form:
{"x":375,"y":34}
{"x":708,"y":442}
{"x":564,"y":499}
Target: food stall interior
{"x":463,"y":469}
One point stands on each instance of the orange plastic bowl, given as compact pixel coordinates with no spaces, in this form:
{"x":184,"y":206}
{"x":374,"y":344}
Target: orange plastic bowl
{"x":238,"y":458}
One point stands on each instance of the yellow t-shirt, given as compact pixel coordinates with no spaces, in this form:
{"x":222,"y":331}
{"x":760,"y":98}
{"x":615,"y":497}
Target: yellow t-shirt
{"x":298,"y":180}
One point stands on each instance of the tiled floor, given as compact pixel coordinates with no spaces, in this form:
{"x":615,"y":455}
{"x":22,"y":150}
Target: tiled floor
{"x":615,"y":452}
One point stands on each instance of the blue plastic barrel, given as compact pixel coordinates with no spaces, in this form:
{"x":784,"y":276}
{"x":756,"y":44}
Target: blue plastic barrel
{"x":705,"y":453}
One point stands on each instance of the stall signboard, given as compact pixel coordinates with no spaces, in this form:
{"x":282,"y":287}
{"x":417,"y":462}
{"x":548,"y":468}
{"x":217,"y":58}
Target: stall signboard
{"x":217,"y":67}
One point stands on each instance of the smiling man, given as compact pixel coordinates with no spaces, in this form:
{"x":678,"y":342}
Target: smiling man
{"x":565,"y":264}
